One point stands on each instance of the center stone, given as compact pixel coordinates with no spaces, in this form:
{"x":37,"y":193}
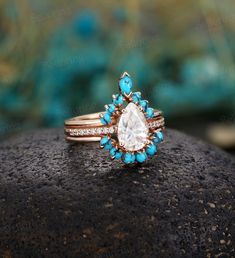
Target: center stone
{"x":132,"y":128}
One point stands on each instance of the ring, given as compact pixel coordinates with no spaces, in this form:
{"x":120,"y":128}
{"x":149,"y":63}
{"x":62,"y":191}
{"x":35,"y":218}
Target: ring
{"x":129,"y":129}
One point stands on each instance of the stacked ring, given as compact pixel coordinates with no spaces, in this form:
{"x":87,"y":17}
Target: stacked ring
{"x":129,"y":129}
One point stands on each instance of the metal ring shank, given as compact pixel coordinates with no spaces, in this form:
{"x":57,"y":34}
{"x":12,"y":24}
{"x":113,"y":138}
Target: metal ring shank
{"x":88,"y":128}
{"x":93,"y":119}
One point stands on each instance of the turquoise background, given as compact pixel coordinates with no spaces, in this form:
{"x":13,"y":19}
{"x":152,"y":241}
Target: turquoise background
{"x":63,"y":58}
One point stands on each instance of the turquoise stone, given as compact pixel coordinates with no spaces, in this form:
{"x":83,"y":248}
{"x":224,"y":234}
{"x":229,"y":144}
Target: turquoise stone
{"x":107,"y":117}
{"x":111,"y":108}
{"x":125,"y":85}
{"x":118,"y":154}
{"x":156,"y":140}
{"x":150,"y":112}
{"x":158,"y":137}
{"x":136,"y":97}
{"x":118,"y":100}
{"x":104,"y":140}
{"x":113,"y":152}
{"x":144,"y":104}
{"x":141,"y":157}
{"x":103,"y":121}
{"x":108,"y":145}
{"x":129,"y":158}
{"x":151,"y":149}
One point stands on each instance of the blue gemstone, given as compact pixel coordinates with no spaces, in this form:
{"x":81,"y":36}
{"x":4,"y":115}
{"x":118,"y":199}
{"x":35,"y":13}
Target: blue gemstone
{"x":141,"y":157}
{"x":136,"y":97}
{"x":104,"y":140}
{"x":144,"y":104}
{"x":113,"y":152}
{"x":111,"y":108}
{"x":118,"y":154}
{"x":150,"y":112}
{"x":118,"y":100}
{"x":160,"y":136}
{"x":151,"y":149}
{"x":108,"y":145}
{"x":107,"y":117}
{"x":156,"y":140}
{"x":125,"y":84}
{"x":129,"y":158}
{"x":103,"y":121}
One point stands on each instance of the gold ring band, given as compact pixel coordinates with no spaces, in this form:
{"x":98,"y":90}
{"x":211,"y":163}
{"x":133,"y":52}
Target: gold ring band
{"x":88,"y":128}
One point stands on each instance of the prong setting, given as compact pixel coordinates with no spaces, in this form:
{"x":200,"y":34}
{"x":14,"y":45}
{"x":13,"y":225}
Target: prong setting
{"x":124,"y":74}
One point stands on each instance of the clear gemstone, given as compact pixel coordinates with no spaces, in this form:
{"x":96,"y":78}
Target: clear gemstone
{"x":106,"y":130}
{"x":82,"y":132}
{"x":111,"y":130}
{"x":99,"y":130}
{"x":94,"y":131}
{"x":132,"y":128}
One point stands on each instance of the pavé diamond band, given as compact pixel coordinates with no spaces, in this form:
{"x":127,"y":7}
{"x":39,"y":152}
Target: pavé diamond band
{"x":129,"y":129}
{"x":86,"y":127}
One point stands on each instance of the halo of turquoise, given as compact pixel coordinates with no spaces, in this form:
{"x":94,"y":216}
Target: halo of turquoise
{"x":125,"y":85}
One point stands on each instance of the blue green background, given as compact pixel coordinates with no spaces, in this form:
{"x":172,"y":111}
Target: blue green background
{"x":63,"y":58}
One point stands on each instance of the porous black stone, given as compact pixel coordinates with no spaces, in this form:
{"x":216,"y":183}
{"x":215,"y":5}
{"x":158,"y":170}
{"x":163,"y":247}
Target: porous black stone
{"x":70,"y":200}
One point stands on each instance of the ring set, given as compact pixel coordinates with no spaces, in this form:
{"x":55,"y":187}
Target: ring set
{"x":129,"y":129}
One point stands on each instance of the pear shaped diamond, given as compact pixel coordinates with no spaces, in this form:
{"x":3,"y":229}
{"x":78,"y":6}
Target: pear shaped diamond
{"x":132,"y":128}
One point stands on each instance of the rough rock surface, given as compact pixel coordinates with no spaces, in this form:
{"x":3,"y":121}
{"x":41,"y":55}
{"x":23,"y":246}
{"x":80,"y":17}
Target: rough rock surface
{"x":69,"y":200}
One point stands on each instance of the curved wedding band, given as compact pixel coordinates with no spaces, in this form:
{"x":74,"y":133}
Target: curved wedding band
{"x":87,"y":128}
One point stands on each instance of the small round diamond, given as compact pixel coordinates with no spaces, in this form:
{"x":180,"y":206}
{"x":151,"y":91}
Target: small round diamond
{"x":93,"y":131}
{"x":82,"y":132}
{"x":111,"y":130}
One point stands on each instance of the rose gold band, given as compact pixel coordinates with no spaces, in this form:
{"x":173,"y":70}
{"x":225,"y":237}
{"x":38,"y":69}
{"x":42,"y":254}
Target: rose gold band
{"x":88,"y":128}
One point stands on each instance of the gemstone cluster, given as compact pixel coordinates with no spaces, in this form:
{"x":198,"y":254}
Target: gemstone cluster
{"x":136,"y":141}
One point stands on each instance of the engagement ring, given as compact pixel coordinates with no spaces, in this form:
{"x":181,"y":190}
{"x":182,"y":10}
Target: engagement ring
{"x":129,"y":129}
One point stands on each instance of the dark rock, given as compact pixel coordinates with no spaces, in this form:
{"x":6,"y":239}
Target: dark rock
{"x":69,"y":200}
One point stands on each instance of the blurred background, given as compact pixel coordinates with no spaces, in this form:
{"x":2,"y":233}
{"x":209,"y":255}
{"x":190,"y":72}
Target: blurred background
{"x":59,"y":59}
